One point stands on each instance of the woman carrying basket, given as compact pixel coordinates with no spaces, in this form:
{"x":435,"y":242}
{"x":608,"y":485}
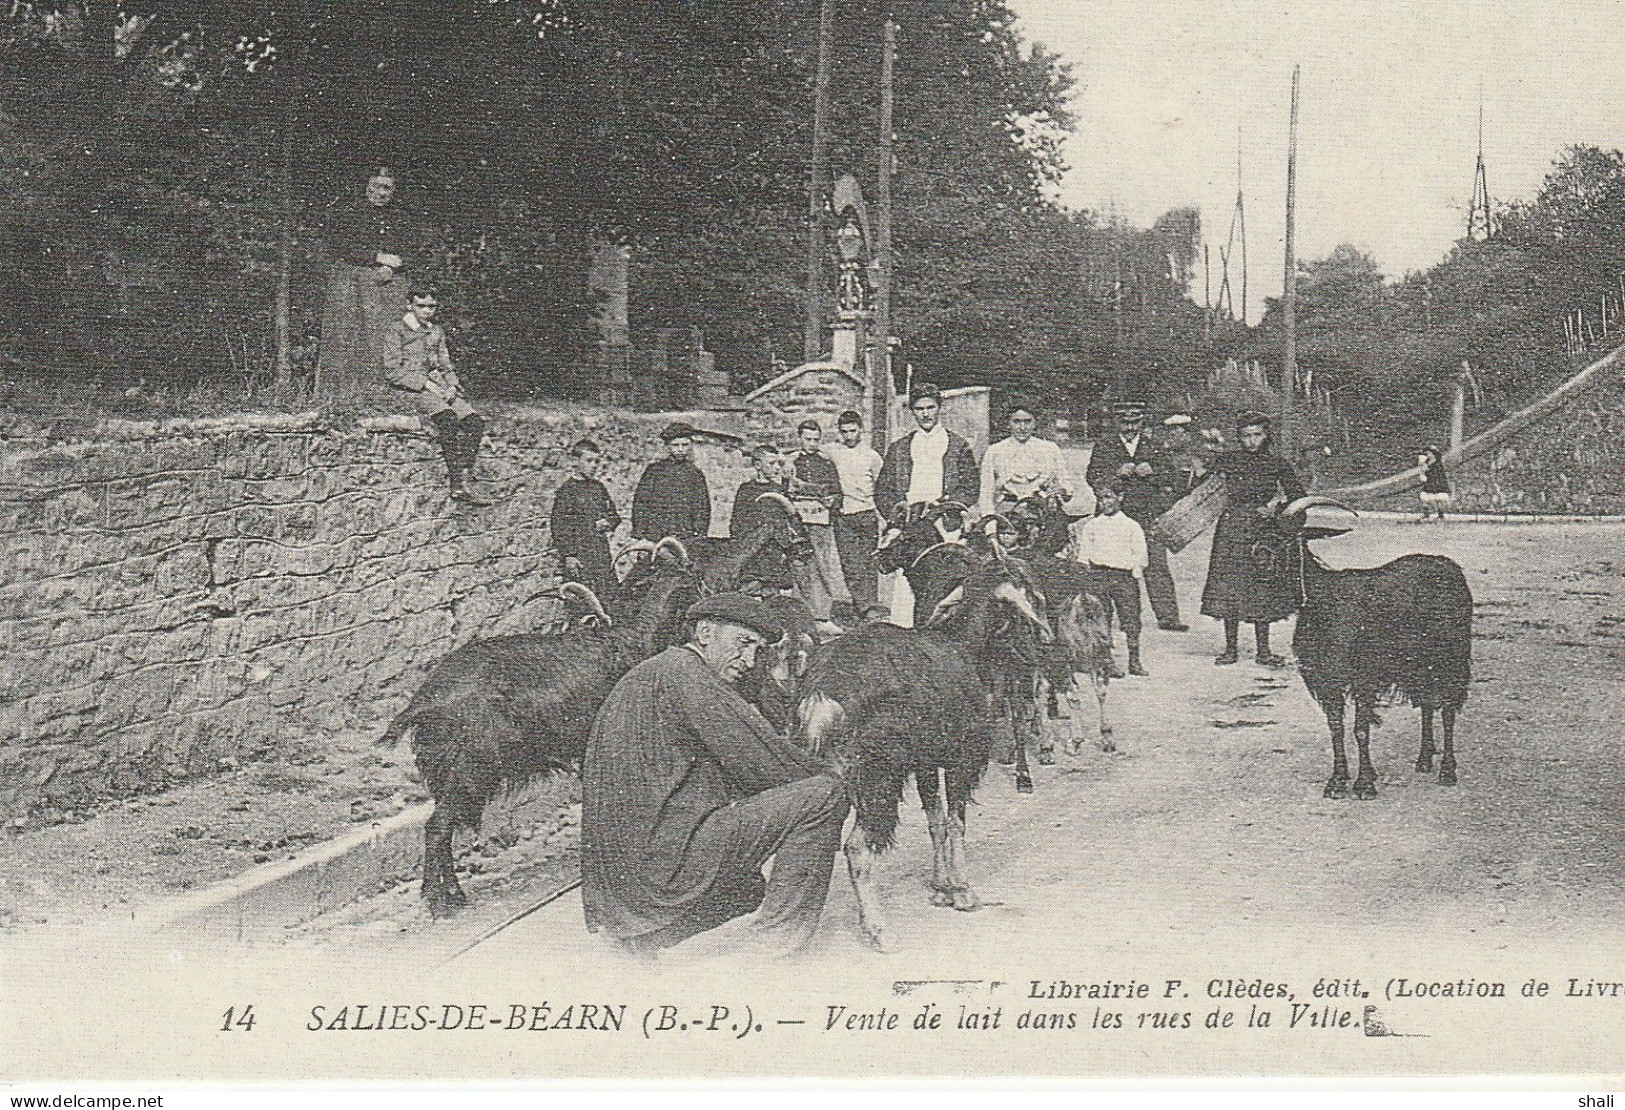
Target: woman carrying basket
{"x":1250,"y":575}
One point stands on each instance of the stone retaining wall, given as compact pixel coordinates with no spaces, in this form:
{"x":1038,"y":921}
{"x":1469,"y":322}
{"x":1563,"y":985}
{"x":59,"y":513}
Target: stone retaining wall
{"x":176,"y":597}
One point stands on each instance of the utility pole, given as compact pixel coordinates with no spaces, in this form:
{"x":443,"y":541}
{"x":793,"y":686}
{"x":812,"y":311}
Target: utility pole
{"x":813,"y":337}
{"x":1289,"y":292}
{"x":283,"y":309}
{"x":880,"y":378}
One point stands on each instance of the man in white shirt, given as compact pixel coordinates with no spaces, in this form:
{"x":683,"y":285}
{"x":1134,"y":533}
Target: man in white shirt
{"x":857,"y":524}
{"x":1112,"y":545}
{"x":1021,"y":465}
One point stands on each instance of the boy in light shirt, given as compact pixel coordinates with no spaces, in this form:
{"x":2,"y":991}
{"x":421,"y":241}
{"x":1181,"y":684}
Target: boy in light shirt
{"x":1112,"y":545}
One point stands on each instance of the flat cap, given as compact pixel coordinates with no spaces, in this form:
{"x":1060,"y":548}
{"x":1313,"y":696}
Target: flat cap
{"x":1177,"y":420}
{"x":1128,"y":408}
{"x":1252,"y":420}
{"x":679,"y":430}
{"x":740,"y":609}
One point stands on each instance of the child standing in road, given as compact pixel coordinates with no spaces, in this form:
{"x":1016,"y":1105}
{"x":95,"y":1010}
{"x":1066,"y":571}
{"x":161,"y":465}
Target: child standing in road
{"x":1111,"y":544}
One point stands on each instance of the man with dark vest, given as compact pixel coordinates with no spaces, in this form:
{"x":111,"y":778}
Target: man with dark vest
{"x":672,"y":498}
{"x":1131,"y":462}
{"x":928,"y":465}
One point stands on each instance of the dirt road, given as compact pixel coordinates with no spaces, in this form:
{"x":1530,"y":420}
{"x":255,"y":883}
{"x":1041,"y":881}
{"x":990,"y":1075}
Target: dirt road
{"x":1209,"y":827}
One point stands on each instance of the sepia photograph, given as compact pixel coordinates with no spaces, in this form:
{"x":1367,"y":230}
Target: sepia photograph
{"x":949,"y":541}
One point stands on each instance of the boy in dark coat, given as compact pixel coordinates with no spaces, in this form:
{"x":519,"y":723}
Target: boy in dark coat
{"x":672,"y":498}
{"x":583,"y":519}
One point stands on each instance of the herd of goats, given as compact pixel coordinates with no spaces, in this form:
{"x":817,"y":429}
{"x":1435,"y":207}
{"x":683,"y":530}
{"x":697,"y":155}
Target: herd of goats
{"x":998,"y":627}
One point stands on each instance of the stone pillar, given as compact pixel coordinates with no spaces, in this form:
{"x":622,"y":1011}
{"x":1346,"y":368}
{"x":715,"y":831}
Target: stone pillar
{"x":608,"y":277}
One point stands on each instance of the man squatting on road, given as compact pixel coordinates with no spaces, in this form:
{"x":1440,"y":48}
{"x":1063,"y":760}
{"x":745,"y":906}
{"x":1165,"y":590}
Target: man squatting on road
{"x":418,"y":361}
{"x":687,"y":792}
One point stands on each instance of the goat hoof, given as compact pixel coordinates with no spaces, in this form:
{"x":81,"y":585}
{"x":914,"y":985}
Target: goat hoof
{"x":1046,"y":757}
{"x":1024,"y":786}
{"x":1365,"y":791}
{"x":1447,"y":778}
{"x":1337,"y":788}
{"x":965,"y":901}
{"x":1108,"y":744}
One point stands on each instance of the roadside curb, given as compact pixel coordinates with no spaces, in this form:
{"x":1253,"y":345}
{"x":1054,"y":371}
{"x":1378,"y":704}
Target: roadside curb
{"x":279,"y":896}
{"x":1498,"y":518}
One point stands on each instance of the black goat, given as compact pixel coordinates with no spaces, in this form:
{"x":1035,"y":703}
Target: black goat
{"x":496,"y":713}
{"x":1082,"y":648}
{"x":884,"y":703}
{"x":1405,"y":626}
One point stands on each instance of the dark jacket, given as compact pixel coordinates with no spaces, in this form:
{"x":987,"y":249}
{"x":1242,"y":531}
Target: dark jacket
{"x":1144,"y":497}
{"x":672,"y":499}
{"x":747,"y":511}
{"x":817,"y":480}
{"x":961,"y":481}
{"x":672,"y":744}
{"x":357,"y":233}
{"x":578,"y":505}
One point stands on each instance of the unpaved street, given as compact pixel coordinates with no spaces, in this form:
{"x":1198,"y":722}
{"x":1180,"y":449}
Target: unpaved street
{"x":1208,"y":830}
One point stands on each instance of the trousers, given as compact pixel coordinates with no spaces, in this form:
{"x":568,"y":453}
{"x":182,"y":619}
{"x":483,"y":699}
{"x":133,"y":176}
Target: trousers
{"x":459,"y":438}
{"x":819,"y":581}
{"x":798,"y":826}
{"x":855,"y":537}
{"x":1121,"y":590}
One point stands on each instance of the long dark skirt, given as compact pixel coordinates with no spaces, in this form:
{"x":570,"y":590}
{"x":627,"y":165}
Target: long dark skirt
{"x":356,"y":312}
{"x":1251,"y":575}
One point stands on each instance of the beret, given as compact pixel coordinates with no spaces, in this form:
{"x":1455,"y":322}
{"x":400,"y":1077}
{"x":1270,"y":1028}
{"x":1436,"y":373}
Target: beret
{"x":678,"y":430}
{"x":740,"y":609}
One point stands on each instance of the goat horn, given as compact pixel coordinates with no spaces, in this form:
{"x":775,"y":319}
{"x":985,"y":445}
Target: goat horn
{"x":672,"y":543}
{"x":778,"y":499}
{"x":1303,"y":504}
{"x":584,"y":593}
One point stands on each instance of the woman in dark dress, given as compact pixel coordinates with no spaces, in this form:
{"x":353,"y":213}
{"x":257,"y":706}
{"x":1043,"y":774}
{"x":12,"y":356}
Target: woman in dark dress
{"x":365,"y":293}
{"x":1251,"y":573}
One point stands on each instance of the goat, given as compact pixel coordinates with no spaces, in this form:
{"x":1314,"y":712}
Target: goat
{"x":1405,"y":626}
{"x":496,"y":713}
{"x":1082,"y":646}
{"x":883,"y":703}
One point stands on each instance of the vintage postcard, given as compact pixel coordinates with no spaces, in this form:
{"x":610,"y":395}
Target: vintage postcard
{"x":812,"y":539}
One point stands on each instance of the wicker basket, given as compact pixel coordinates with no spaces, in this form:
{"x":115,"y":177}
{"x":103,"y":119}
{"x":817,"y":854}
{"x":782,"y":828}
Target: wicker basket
{"x":1191,"y":515}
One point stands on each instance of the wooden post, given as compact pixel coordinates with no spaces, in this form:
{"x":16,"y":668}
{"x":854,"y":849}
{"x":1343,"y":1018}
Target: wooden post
{"x":812,"y":342}
{"x":880,"y":378}
{"x":1289,"y":293}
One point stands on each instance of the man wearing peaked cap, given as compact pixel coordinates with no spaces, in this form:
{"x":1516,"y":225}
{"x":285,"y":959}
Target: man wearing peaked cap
{"x":1145,"y":479}
{"x":672,"y":498}
{"x":687,"y":791}
{"x":739,"y":609}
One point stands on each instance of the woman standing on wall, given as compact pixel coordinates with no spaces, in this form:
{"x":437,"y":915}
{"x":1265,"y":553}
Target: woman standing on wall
{"x":366,"y":293}
{"x":1250,"y":573}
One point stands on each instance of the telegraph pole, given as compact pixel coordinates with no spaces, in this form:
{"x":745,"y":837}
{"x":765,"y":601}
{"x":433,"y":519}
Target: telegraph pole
{"x":813,"y":336}
{"x":880,"y":380}
{"x":1289,"y":292}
